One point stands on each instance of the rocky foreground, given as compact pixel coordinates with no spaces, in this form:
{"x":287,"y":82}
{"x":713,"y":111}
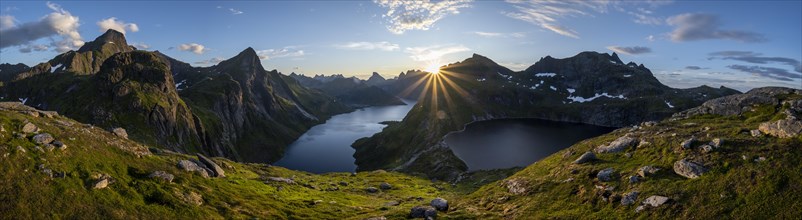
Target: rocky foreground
{"x":734,"y":156}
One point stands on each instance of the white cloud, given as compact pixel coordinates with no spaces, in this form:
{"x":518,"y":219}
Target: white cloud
{"x":497,"y":34}
{"x":279,"y":53}
{"x":193,"y":47}
{"x":235,"y":11}
{"x":141,"y":46}
{"x":58,"y":23}
{"x":403,"y":15}
{"x":117,"y":25}
{"x":382,"y":45}
{"x":211,"y":61}
{"x":30,"y":48}
{"x":697,"y":26}
{"x":434,"y":52}
{"x":650,"y":38}
{"x":630,"y":50}
{"x":6,"y":22}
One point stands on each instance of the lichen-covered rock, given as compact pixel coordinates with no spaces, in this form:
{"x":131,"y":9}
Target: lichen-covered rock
{"x":586,"y":157}
{"x":515,"y":186}
{"x":162,"y":175}
{"x":29,"y":128}
{"x":784,"y":128}
{"x":605,"y":175}
{"x":43,"y":138}
{"x":689,"y":169}
{"x":620,"y":144}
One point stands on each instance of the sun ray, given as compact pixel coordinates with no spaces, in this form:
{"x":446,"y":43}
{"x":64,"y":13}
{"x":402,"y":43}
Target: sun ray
{"x":415,"y":85}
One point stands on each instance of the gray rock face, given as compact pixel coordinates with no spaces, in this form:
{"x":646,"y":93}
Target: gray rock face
{"x":629,"y":198}
{"x":423,"y":212}
{"x":217,"y":171}
{"x":689,"y":169}
{"x":190,"y":166}
{"x":385,"y":186}
{"x":120,"y":132}
{"x":43,"y":138}
{"x":280,"y":180}
{"x":162,"y":175}
{"x":784,"y":128}
{"x":440,"y":204}
{"x":586,"y":157}
{"x":688,"y":144}
{"x":605,"y":175}
{"x":29,"y":128}
{"x":618,"y":145}
{"x":647,"y":171}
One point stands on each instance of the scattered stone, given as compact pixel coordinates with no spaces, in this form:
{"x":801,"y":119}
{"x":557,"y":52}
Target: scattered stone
{"x":440,"y":204}
{"x":21,"y":149}
{"x":217,"y":171}
{"x":647,"y":171}
{"x":586,"y":157}
{"x":515,"y":186}
{"x":103,"y":181}
{"x":423,"y":212}
{"x":716,"y":142}
{"x":29,"y":128}
{"x":605,"y":175}
{"x":689,"y":169}
{"x":60,"y":145}
{"x":343,"y":183}
{"x":707,"y":148}
{"x":371,"y":190}
{"x":756,"y":133}
{"x":688,"y":144}
{"x":120,"y":132}
{"x":760,"y":159}
{"x":190,"y":166}
{"x":385,"y":186}
{"x":618,"y":145}
{"x":629,"y":198}
{"x":655,"y":201}
{"x":43,"y":138}
{"x":280,"y":180}
{"x":167,"y":177}
{"x":633,"y":179}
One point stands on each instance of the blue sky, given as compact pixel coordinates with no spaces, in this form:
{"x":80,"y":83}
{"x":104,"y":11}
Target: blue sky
{"x":738,"y":44}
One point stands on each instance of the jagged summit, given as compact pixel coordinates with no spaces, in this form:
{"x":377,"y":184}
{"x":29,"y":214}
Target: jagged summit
{"x":112,"y":39}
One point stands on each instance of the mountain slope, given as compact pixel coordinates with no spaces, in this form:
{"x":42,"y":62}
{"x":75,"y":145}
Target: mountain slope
{"x":352,"y":91}
{"x":590,"y":88}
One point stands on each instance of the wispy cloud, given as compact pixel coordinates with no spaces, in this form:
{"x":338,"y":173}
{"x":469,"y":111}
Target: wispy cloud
{"x":211,"y":61}
{"x":32,"y":47}
{"x":498,"y":34}
{"x":434,"y":52}
{"x":193,"y":47}
{"x":141,"y":46}
{"x":117,"y":25}
{"x":698,"y":26}
{"x":404,"y":15}
{"x":630,"y":50}
{"x":280,"y":53}
{"x":694,"y":68}
{"x":235,"y":11}
{"x":58,"y":23}
{"x":769,"y":72}
{"x":382,"y":45}
{"x":756,"y":58}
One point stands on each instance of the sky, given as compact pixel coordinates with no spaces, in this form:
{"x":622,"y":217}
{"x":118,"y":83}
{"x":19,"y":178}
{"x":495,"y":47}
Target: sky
{"x":738,"y":44}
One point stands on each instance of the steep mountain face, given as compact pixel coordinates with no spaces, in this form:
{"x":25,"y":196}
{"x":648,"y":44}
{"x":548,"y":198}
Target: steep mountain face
{"x":8,"y":71}
{"x":590,"y":88}
{"x":87,"y":60}
{"x":352,"y":91}
{"x":375,"y":79}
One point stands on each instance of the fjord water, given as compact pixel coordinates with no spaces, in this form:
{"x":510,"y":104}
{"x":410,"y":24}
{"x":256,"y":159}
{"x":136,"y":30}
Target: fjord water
{"x":506,"y":143}
{"x":327,"y":147}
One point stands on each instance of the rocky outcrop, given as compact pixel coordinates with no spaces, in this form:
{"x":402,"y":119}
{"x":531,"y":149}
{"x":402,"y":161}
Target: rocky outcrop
{"x":740,"y":103}
{"x":689,"y":169}
{"x":618,"y":145}
{"x":217,"y":171}
{"x":586,"y":157}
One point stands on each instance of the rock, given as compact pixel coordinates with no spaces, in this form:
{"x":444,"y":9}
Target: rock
{"x":280,"y":180}
{"x":648,"y":124}
{"x":618,"y":145}
{"x":103,"y":181}
{"x":21,"y":149}
{"x":688,"y":144}
{"x":643,"y":144}
{"x":689,"y":169}
{"x":716,"y":142}
{"x":756,"y":133}
{"x":167,"y":177}
{"x":586,"y":157}
{"x":605,"y":175}
{"x":120,"y":132}
{"x":392,"y":203}
{"x":629,"y":198}
{"x":655,"y":201}
{"x":59,"y":145}
{"x":633,"y":179}
{"x":343,"y":183}
{"x":760,"y":159}
{"x":217,"y":171}
{"x":784,"y":128}
{"x":707,"y":148}
{"x":440,"y":204}
{"x":568,"y":153}
{"x":43,"y":138}
{"x":515,"y":186}
{"x":647,"y":171}
{"x":371,"y":190}
{"x":190,"y":166}
{"x":385,"y":186}
{"x":423,"y":212}
{"x":29,"y":128}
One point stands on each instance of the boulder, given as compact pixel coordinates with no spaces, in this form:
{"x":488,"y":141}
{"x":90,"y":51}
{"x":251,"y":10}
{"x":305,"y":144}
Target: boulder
{"x":120,"y":132}
{"x":59,"y":145}
{"x":515,"y":186}
{"x":43,"y":138}
{"x":29,"y":128}
{"x":756,"y":133}
{"x":102,"y":182}
{"x":423,"y":212}
{"x":633,"y":179}
{"x":629,"y":198}
{"x":688,"y":144}
{"x":689,"y":169}
{"x":190,"y":166}
{"x":618,"y":145}
{"x":162,"y":175}
{"x":655,"y":201}
{"x":385,"y":186}
{"x":440,"y":204}
{"x":784,"y":128}
{"x":605,"y":175}
{"x":647,"y":171}
{"x":217,"y":171}
{"x":371,"y":190}
{"x":280,"y":180}
{"x":716,"y":142}
{"x":586,"y":157}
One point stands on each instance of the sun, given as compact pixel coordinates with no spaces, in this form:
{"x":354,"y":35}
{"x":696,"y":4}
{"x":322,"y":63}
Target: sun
{"x":433,"y":68}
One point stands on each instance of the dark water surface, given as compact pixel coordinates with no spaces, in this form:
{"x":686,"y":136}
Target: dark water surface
{"x":327,"y":147}
{"x":507,"y":143}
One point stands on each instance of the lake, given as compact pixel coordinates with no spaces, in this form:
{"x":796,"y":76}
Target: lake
{"x":506,"y":143}
{"x":327,"y":147}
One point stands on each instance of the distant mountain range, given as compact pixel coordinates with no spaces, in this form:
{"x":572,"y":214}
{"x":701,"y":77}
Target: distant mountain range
{"x":351,"y":90}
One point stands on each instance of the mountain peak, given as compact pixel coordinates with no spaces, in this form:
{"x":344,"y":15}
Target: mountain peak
{"x":110,"y":37}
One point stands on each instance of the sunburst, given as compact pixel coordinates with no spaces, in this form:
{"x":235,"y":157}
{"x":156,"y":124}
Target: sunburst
{"x":439,"y":85}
